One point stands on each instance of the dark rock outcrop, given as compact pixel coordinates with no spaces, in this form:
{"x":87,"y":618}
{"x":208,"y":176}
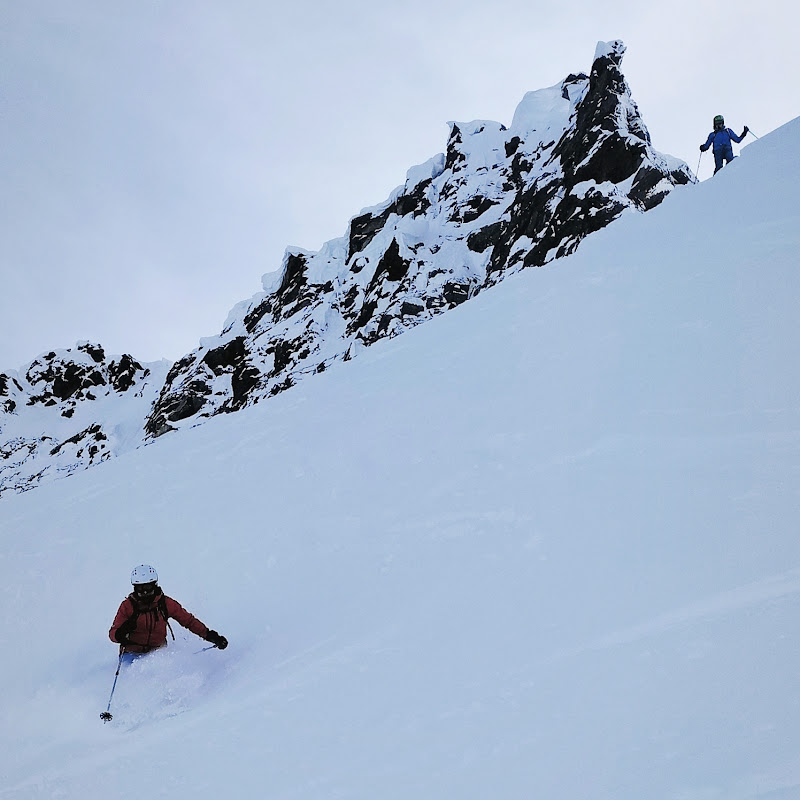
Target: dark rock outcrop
{"x":70,"y":409}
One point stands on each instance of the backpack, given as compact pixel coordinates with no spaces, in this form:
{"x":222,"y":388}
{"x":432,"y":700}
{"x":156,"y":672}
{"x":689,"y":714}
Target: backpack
{"x":161,"y":607}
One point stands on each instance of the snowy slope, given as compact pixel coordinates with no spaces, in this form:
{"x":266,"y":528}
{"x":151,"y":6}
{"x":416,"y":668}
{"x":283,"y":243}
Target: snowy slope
{"x":576,"y":156}
{"x":544,"y":546}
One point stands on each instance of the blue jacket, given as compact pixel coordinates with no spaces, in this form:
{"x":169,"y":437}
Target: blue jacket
{"x":721,"y":139}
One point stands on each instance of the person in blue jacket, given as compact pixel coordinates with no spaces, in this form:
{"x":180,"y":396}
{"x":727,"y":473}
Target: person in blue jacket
{"x":721,"y":138}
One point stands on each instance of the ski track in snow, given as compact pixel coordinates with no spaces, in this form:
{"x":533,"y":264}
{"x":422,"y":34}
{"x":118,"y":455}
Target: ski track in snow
{"x":724,"y":604}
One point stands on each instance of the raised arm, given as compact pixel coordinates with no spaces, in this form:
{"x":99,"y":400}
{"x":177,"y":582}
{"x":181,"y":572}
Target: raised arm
{"x":177,"y":612}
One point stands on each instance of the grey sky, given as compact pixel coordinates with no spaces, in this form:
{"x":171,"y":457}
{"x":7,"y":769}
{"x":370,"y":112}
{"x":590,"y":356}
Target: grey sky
{"x":159,"y":155}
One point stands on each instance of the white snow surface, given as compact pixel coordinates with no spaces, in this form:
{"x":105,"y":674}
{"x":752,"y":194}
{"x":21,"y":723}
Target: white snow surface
{"x":543,"y":546}
{"x":616,"y":47}
{"x":544,"y":111}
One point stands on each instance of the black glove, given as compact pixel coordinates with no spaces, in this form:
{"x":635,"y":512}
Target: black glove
{"x":702,"y":149}
{"x":216,"y":639}
{"x":123,"y":633}
{"x":745,"y":131}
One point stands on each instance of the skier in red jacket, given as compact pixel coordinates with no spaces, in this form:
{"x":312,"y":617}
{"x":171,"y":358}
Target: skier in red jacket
{"x":141,"y":622}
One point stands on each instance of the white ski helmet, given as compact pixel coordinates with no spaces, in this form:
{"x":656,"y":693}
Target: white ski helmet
{"x":144,"y":573}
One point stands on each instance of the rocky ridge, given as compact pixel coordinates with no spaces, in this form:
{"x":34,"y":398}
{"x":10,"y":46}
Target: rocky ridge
{"x":498,"y":200}
{"x":71,"y":409}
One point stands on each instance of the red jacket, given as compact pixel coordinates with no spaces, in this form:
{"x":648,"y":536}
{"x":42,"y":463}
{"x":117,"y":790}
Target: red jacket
{"x":147,"y":623}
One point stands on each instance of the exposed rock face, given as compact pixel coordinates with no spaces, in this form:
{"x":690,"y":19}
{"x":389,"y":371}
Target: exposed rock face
{"x":71,"y":409}
{"x":498,"y":200}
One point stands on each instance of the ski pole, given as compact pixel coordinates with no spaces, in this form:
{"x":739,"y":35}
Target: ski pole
{"x":749,"y":131}
{"x":697,"y":171}
{"x":106,"y":715}
{"x":197,"y":652}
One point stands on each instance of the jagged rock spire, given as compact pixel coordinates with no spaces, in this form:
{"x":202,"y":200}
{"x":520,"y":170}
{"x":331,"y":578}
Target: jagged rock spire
{"x":497,"y":200}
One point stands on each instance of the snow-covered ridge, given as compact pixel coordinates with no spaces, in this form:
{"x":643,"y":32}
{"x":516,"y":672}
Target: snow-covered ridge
{"x":70,"y":409}
{"x":499,"y":199}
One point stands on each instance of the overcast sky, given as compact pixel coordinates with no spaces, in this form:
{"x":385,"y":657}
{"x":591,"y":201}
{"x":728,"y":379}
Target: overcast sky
{"x":158,"y":156}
